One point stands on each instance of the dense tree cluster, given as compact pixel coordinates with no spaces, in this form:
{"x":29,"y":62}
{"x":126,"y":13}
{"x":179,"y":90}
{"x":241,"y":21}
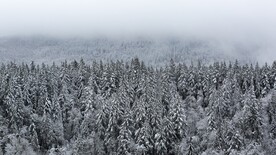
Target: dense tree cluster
{"x":131,"y":108}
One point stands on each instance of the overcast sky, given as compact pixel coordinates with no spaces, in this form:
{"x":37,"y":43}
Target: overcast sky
{"x":218,"y":18}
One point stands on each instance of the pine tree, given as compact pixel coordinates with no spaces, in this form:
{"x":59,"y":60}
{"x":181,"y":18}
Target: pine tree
{"x":271,"y":112}
{"x":265,"y":84}
{"x":17,"y":113}
{"x":125,"y":141}
{"x":234,"y":139}
{"x":176,"y":128}
{"x":251,"y":119}
{"x":190,"y":150}
{"x":33,"y":137}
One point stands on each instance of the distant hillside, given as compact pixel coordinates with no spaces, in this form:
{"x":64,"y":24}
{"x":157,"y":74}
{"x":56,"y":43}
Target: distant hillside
{"x":152,"y":51}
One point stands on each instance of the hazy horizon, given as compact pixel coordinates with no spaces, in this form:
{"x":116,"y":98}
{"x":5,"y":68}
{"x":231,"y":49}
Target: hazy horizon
{"x":247,"y":23}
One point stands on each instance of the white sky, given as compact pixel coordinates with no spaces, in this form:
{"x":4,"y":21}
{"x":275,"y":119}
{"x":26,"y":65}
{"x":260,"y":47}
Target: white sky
{"x":211,"y":18}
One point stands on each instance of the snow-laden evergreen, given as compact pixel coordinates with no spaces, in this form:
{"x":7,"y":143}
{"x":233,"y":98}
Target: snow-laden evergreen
{"x":130,"y":108}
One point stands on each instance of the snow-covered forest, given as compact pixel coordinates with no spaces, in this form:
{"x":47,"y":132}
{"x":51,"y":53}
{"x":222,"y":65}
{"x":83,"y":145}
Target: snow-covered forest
{"x":85,"y":108}
{"x":153,"y":51}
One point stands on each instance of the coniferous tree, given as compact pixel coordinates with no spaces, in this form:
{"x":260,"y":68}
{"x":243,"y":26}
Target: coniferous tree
{"x":251,"y":119}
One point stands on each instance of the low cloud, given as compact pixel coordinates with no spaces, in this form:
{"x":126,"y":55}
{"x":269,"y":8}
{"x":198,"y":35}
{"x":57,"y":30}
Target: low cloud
{"x":246,"y":23}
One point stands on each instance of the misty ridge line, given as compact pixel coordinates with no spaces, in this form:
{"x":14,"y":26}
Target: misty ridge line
{"x":153,"y":51}
{"x":213,"y":30}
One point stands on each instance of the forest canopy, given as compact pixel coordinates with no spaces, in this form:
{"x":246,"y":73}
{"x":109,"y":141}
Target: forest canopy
{"x":130,"y":108}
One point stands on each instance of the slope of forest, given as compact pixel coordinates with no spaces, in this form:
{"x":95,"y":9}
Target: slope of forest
{"x":131,"y":108}
{"x":154,"y":52}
